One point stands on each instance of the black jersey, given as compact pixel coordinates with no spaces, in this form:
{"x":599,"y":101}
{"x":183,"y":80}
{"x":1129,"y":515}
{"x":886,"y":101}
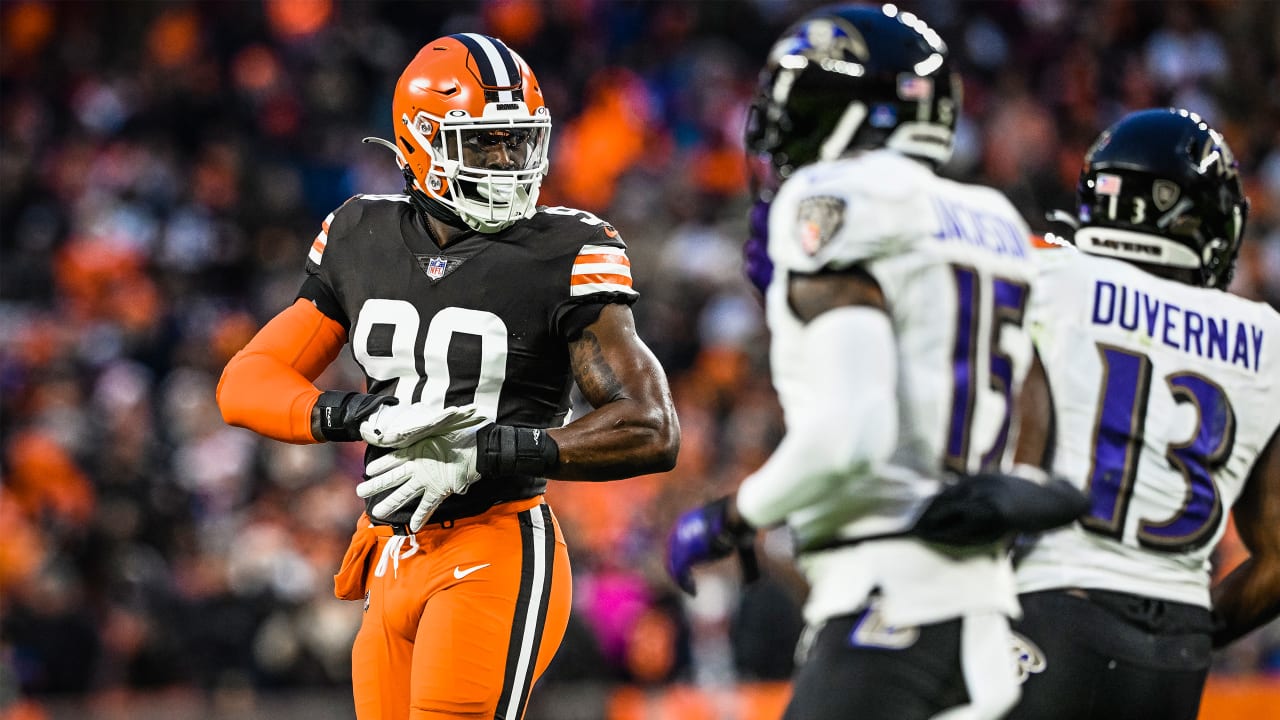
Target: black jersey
{"x":486,"y":320}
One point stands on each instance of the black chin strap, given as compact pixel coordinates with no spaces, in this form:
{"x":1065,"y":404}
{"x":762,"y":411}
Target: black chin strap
{"x":430,"y":206}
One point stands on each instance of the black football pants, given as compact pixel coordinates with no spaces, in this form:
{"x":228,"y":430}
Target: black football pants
{"x":1113,"y":656}
{"x":853,"y":675}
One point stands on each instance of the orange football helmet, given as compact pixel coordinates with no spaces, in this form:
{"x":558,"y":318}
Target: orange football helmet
{"x":472,"y":129}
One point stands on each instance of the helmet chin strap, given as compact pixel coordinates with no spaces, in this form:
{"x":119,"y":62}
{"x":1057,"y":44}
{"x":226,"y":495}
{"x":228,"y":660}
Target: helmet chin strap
{"x":436,"y":209}
{"x":491,"y":191}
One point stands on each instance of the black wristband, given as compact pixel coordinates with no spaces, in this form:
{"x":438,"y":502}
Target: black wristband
{"x":506,"y":450}
{"x":731,"y":535}
{"x":336,"y":416}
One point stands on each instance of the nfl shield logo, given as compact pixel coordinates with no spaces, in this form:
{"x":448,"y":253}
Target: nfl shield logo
{"x":436,"y":267}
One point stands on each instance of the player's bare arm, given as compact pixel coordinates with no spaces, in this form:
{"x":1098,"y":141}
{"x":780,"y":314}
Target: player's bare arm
{"x":812,"y":295}
{"x":1035,"y":425}
{"x":1250,"y":596}
{"x":633,"y":429}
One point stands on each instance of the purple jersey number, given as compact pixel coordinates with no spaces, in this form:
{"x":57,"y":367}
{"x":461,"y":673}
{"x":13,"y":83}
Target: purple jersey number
{"x":1117,"y":446}
{"x":1009,"y":300}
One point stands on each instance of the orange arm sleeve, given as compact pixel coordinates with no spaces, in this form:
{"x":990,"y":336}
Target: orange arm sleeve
{"x":267,"y":387}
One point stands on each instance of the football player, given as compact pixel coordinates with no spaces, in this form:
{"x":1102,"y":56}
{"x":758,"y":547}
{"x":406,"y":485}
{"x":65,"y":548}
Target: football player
{"x":1167,"y":392}
{"x":471,"y":311}
{"x":900,"y":356}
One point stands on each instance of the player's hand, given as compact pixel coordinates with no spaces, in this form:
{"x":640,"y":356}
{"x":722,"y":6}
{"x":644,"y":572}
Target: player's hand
{"x":428,"y":471}
{"x":403,"y":424}
{"x":981,"y":509}
{"x":755,"y":251}
{"x":702,"y":535}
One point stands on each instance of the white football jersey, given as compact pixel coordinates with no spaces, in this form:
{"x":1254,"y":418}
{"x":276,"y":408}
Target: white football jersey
{"x":1165,"y":396}
{"x":954,"y":263}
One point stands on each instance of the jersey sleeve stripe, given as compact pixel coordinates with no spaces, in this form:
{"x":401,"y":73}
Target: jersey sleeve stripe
{"x":591,"y":288}
{"x":601,"y":267}
{"x":322,"y":239}
{"x":317,"y":248}
{"x":602,"y":250}
{"x":597,"y":277}
{"x":601,"y":258}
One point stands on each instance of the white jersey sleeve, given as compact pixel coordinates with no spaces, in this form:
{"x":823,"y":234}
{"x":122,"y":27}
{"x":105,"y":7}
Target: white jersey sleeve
{"x":1165,"y":396}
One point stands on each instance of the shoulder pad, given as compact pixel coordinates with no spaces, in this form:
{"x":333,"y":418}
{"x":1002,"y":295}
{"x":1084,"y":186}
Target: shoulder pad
{"x":838,"y":214}
{"x":347,"y":216}
{"x":599,"y":228}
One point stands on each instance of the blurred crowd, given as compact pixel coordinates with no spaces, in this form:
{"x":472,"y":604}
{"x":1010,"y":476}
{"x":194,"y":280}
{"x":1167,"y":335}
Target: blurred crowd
{"x":164,"y":167}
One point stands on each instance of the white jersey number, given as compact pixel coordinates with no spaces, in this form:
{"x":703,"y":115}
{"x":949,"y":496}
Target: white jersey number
{"x":418,"y":362}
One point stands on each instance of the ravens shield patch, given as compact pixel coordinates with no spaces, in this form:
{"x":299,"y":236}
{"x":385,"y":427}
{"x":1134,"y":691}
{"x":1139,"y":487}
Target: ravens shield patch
{"x":819,"y":218}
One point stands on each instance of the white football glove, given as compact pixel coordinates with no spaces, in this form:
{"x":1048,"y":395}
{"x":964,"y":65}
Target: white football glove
{"x":431,"y":469}
{"x":403,"y":424}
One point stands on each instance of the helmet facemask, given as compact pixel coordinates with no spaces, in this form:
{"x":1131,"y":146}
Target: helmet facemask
{"x":488,"y":170}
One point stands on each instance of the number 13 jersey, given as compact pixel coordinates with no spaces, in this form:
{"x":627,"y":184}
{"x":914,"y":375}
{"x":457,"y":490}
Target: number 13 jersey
{"x":487,"y":319}
{"x":1165,"y":394}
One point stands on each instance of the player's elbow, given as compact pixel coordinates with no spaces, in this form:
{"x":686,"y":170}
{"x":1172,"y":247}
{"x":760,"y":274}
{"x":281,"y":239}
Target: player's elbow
{"x":227,"y":390}
{"x":240,"y":392}
{"x":655,"y":437}
{"x":667,"y":448}
{"x":663,"y":440}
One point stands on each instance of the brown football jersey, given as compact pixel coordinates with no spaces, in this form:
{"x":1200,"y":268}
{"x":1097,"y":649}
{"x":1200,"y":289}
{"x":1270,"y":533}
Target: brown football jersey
{"x":486,"y":320}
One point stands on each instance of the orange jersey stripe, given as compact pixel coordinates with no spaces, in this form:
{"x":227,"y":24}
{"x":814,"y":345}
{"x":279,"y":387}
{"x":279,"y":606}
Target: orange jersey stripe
{"x":589,"y":278}
{"x":618,"y":258}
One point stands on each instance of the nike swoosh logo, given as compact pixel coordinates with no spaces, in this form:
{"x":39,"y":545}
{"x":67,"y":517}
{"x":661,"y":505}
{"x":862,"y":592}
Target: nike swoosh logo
{"x":459,"y":573}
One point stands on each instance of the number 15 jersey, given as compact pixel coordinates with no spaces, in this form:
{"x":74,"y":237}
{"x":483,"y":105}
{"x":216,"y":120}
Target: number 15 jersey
{"x":1165,"y":395}
{"x":954,"y":264}
{"x":486,"y":320}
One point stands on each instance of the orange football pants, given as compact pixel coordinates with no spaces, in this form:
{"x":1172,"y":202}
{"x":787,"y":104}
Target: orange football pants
{"x":460,"y":618}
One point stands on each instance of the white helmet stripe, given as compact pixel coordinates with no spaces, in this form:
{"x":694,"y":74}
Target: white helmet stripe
{"x":501,"y":64}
